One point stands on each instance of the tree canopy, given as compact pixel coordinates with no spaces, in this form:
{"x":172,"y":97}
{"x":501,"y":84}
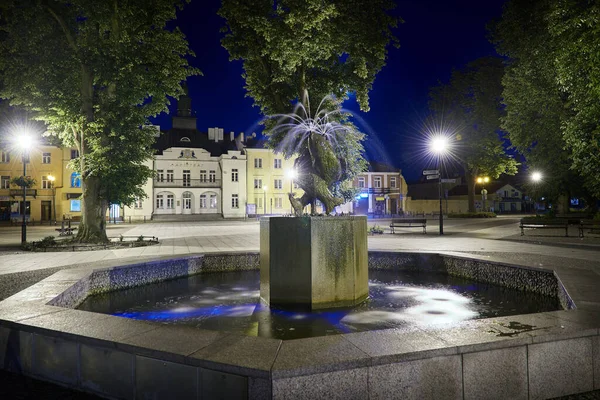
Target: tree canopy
{"x":94,"y":72}
{"x":552,"y":89}
{"x":327,"y":49}
{"x":471,"y":104}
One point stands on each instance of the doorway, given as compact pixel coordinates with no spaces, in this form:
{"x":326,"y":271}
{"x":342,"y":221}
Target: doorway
{"x":46,"y":210}
{"x":187,"y":203}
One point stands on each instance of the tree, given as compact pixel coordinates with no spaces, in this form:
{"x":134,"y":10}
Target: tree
{"x":327,"y":49}
{"x":551,"y":91}
{"x":94,"y":72}
{"x":471,"y":103}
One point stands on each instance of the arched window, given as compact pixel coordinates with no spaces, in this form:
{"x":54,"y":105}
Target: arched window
{"x":185,"y":139}
{"x":75,"y":180}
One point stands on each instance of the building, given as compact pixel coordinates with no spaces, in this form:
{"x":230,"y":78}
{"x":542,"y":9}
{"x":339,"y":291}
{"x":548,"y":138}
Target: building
{"x":57,"y":189}
{"x":383,"y":191}
{"x":198,"y":173}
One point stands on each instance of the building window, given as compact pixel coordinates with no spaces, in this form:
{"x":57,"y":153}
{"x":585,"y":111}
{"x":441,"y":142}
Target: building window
{"x":170,"y":201}
{"x":258,"y":163}
{"x":46,"y":158}
{"x":377,"y":182}
{"x":160,"y":201}
{"x":361,"y":182}
{"x":75,"y":180}
{"x":170,"y":175}
{"x":278,"y":184}
{"x":75,"y":206}
{"x":160,"y":175}
{"x":212,"y":176}
{"x":235,"y":201}
{"x":5,"y":182}
{"x":277,"y":163}
{"x":213,"y":201}
{"x":278,"y":202}
{"x":4,"y":156}
{"x":258,"y":184}
{"x":186,"y":178}
{"x":258,"y":201}
{"x":234,"y":175}
{"x":137,"y":203}
{"x":202,"y":201}
{"x":74,"y":154}
{"x":393,"y":182}
{"x":46,"y":184}
{"x":202,"y":175}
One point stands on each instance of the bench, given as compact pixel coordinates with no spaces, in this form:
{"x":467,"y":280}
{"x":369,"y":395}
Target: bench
{"x":591,"y":224}
{"x":409,"y":223}
{"x":540,"y":223}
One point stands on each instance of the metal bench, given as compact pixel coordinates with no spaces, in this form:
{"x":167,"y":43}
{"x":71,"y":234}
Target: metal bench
{"x":409,"y":223}
{"x":540,"y":223}
{"x":591,"y":224}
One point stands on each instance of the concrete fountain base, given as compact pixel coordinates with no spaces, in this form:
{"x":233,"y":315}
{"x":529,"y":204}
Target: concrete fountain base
{"x":313,"y":262}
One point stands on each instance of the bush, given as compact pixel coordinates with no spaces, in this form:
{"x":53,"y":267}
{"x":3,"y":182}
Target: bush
{"x":376,"y":229}
{"x":472,"y":215}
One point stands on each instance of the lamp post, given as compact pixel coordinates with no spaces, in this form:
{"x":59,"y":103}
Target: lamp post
{"x":536,"y":177}
{"x":292,"y":175}
{"x":482,"y":180}
{"x":265,"y":198}
{"x":24,"y":141}
{"x":51,"y":178}
{"x":439,"y":145}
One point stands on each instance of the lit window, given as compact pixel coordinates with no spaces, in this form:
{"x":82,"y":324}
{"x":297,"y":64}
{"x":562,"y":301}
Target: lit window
{"x":234,"y":175}
{"x":202,"y":201}
{"x":75,"y":206}
{"x":46,"y":183}
{"x":5,"y":182}
{"x":75,"y":180}
{"x":213,"y":201}
{"x":258,"y":163}
{"x":46,"y":158}
{"x":277,"y":163}
{"x":235,"y":201}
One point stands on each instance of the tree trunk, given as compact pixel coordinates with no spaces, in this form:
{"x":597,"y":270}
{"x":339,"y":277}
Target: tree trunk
{"x":93,"y":214}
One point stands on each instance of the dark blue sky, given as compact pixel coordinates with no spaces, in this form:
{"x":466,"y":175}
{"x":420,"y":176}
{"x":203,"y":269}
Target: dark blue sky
{"x":437,"y":36}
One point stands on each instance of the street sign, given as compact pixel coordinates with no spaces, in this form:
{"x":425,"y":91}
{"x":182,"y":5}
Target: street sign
{"x":448,"y":180}
{"x":431,"y":172}
{"x":429,"y":177}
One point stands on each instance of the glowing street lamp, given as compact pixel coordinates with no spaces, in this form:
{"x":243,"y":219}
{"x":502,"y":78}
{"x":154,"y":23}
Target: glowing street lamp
{"x":482,"y":180}
{"x":24,"y":142}
{"x":536,"y":177}
{"x":265,"y":202}
{"x":51,"y":178}
{"x":440,"y":145}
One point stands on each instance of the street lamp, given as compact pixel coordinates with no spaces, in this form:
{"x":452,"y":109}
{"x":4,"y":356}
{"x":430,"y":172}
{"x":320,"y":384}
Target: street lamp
{"x":439,"y":145}
{"x":536,"y":177}
{"x":51,"y":178}
{"x":24,"y":142}
{"x":291,"y":175}
{"x":482,"y":180}
{"x":265,"y":202}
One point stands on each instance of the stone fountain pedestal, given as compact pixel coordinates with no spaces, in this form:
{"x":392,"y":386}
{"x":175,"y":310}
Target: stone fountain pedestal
{"x":313,"y":262}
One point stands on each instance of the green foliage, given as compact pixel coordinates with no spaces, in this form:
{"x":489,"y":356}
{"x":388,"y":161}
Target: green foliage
{"x":472,"y":215}
{"x":140,"y":238}
{"x":471,"y":104}
{"x":375,"y":229}
{"x":552,"y":90}
{"x":94,"y":71}
{"x":21,"y":181}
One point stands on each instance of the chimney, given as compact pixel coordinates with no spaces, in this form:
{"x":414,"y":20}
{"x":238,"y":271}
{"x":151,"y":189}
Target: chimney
{"x":242,"y":137}
{"x":231,"y":136}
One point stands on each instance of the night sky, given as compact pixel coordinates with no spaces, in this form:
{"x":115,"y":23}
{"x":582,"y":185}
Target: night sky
{"x":437,"y":36}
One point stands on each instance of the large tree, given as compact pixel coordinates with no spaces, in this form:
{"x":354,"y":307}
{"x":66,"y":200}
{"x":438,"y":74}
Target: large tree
{"x":470,"y":105}
{"x":94,"y":71}
{"x":323,"y":48}
{"x":552,"y":91}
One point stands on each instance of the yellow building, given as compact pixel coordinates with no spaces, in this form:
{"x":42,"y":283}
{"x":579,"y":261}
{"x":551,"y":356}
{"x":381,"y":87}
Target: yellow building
{"x":57,"y":190}
{"x":269,"y":180}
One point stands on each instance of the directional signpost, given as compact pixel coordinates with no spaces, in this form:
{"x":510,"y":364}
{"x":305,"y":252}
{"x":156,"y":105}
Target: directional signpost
{"x":430,"y":177}
{"x":448,"y":180}
{"x":431,"y":172}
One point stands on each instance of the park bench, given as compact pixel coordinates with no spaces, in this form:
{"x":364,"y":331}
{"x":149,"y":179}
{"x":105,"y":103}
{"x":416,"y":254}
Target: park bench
{"x":541,"y":223}
{"x":591,"y":224}
{"x":409,"y":223}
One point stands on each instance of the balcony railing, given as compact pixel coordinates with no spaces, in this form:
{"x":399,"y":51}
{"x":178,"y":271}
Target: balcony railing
{"x":19,"y":192}
{"x":192,"y":183}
